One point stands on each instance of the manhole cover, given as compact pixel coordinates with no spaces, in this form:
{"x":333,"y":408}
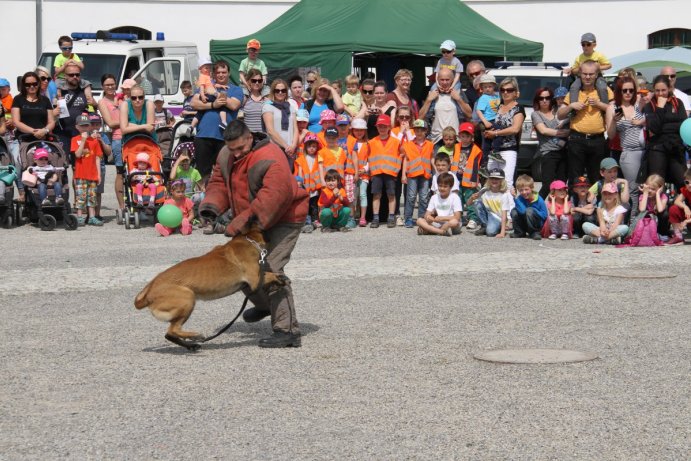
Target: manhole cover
{"x":535,"y":356}
{"x":634,"y":274}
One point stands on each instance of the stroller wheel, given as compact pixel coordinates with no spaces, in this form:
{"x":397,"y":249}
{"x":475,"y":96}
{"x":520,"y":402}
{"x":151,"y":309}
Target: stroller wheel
{"x":71,"y":222}
{"x":47,"y":222}
{"x":118,"y":216}
{"x":136,"y":219}
{"x":128,"y":226}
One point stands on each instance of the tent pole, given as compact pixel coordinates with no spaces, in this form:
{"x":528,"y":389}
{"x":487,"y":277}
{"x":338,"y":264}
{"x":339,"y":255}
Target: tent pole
{"x":505,"y":58}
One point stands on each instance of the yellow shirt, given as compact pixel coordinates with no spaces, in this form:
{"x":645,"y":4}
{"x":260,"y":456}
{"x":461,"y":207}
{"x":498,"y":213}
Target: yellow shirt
{"x":61,"y":59}
{"x":596,"y":56}
{"x":589,"y":120}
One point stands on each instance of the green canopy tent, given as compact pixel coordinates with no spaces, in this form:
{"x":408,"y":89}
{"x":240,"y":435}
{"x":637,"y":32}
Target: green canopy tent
{"x":326,"y":34}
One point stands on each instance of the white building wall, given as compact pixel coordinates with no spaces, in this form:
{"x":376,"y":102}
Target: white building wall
{"x":621,"y":26}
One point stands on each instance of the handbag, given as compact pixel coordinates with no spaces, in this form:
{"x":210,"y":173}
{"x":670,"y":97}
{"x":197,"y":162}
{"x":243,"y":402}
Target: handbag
{"x":29,"y":179}
{"x":8,"y":174}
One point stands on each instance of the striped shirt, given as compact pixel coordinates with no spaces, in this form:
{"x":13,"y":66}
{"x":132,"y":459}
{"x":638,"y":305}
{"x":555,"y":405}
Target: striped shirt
{"x":630,"y":134}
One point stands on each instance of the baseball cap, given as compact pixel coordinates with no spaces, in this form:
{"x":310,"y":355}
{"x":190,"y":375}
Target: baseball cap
{"x":561,"y":92}
{"x":331,"y":133}
{"x":496,"y":173}
{"x":342,"y":119}
{"x":610,"y":187}
{"x":158,"y":97}
{"x":588,"y":37}
{"x":204,"y":61}
{"x":4,"y":82}
{"x":486,"y":78}
{"x":311,"y":137}
{"x":467,"y":127}
{"x":94,"y":118}
{"x":142,"y":157}
{"x":358,"y":124}
{"x":447,"y":45}
{"x":83,"y":120}
{"x":327,"y":114}
{"x":384,"y":120}
{"x":128,"y":83}
{"x":581,"y":181}
{"x":254,"y":43}
{"x":40,"y":153}
{"x":608,"y":163}
{"x":419,"y":123}
{"x":558,"y":184}
{"x":303,"y":115}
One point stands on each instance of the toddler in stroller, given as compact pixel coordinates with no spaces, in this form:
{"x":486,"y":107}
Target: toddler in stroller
{"x":140,"y":177}
{"x":46,"y":176}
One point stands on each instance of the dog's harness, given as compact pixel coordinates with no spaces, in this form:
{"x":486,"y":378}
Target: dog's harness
{"x":263,"y":267}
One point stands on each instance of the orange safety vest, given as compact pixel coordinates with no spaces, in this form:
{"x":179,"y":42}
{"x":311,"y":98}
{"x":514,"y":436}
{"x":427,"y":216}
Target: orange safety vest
{"x":326,"y":200}
{"x":419,"y":159}
{"x":470,"y":177}
{"x":311,"y":179}
{"x":333,"y":161}
{"x":362,"y":159}
{"x":350,"y":145}
{"x":384,"y":158}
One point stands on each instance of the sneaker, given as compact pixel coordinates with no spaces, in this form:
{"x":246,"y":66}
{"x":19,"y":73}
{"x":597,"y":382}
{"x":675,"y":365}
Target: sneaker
{"x":675,"y":240}
{"x":516,"y":235}
{"x":536,"y":236}
{"x":163,"y":230}
{"x":317,"y":224}
{"x":565,"y":236}
{"x":344,"y":229}
{"x":448,"y":233}
{"x":615,"y":241}
{"x":327,"y":230}
{"x":351,"y":224}
{"x":46,"y":202}
{"x":374,"y":224}
{"x":497,"y":158}
{"x":552,"y":237}
{"x":472,"y":225}
{"x":391,"y":222}
{"x":363,"y":222}
{"x":576,"y":236}
{"x":589,"y":239}
{"x":482,"y":230}
{"x":409,"y":223}
{"x":140,"y":203}
{"x":421,"y":231}
{"x":152,"y":204}
{"x":81,"y":220}
{"x":464,"y":221}
{"x":59,"y":201}
{"x":307,"y":229}
{"x":399,"y":221}
{"x":94,"y":221}
{"x":208,"y":228}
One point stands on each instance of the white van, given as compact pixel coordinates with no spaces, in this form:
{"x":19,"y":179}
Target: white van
{"x":164,"y":64}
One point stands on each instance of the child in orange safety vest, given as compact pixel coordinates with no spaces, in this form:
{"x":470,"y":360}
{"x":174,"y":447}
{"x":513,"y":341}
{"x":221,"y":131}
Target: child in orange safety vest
{"x":333,"y":156}
{"x":384,"y":165}
{"x":347,"y":142}
{"x":466,"y":165}
{"x":417,"y":170}
{"x":333,"y":204}
{"x":361,"y":151}
{"x":308,"y":173}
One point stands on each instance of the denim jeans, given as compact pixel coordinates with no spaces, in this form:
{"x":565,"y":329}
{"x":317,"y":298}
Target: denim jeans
{"x":13,"y":146}
{"x":620,"y":231}
{"x":416,"y":186}
{"x":489,"y":220}
{"x":43,"y":190}
{"x":526,"y":223}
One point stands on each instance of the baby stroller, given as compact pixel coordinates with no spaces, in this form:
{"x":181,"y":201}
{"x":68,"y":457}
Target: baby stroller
{"x":164,"y":134}
{"x":182,"y":133}
{"x":46,"y":215}
{"x":130,"y":149}
{"x":8,"y":174}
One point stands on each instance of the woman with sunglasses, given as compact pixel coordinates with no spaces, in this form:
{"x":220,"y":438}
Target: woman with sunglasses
{"x":254,"y":102}
{"x":625,"y":119}
{"x":506,"y":132}
{"x":109,"y":107}
{"x":664,"y":115}
{"x":551,"y":138}
{"x":402,"y":123}
{"x":137,"y":115}
{"x":278,"y":117}
{"x":48,"y":87}
{"x":324,"y":97}
{"x":32,"y":113}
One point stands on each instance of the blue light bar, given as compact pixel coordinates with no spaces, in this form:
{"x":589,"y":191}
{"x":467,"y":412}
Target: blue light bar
{"x":102,"y":35}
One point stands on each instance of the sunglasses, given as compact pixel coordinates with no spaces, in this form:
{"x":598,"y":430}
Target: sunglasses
{"x":30,"y":84}
{"x":404,"y":117}
{"x":544,"y":98}
{"x":256,"y":80}
{"x":43,"y":79}
{"x":628,"y":90}
{"x":368,"y":91}
{"x":507,"y":90}
{"x":586,"y":44}
{"x":281,"y":90}
{"x":137,"y":98}
{"x":74,"y":75}
{"x":66,"y":48}
{"x":475,"y":74}
{"x":670,"y":75}
{"x":446,"y":51}
{"x":311,"y":81}
{"x":687,"y":182}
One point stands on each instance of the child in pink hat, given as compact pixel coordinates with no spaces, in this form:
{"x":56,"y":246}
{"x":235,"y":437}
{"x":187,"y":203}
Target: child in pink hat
{"x":558,"y":223}
{"x":141,"y":178}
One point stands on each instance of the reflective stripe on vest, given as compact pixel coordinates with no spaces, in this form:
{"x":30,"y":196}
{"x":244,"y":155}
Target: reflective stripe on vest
{"x":419,"y":159}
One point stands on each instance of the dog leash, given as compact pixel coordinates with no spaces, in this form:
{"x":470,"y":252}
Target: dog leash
{"x":263,"y":266}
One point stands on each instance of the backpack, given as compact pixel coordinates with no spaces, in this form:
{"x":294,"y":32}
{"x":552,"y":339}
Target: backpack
{"x":645,"y":233}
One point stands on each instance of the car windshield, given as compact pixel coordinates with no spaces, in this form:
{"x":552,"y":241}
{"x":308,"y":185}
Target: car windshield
{"x":529,"y":85}
{"x":95,"y":65}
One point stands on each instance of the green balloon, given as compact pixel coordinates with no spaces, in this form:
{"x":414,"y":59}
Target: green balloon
{"x":169,"y":215}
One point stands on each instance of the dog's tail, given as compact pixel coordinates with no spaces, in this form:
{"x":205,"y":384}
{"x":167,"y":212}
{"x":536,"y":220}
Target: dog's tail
{"x":141,"y":301}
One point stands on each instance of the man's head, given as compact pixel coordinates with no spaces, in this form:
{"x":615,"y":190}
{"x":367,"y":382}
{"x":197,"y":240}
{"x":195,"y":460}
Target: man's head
{"x":444,"y":79}
{"x":238,"y":138}
{"x":221,"y":72}
{"x":670,"y":73}
{"x":589,"y":71}
{"x":474,"y":69}
{"x":73,"y":76}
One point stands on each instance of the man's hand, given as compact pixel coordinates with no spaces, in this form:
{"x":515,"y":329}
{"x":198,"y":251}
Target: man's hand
{"x":432,"y":95}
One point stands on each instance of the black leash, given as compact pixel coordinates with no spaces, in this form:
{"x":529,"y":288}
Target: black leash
{"x":263,"y":267}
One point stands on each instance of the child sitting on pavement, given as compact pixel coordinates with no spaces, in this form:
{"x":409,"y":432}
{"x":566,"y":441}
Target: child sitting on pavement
{"x":653,"y":202}
{"x":494,"y":204}
{"x":558,"y":223}
{"x":583,"y":210}
{"x":609,"y":168}
{"x":178,"y":199}
{"x":610,"y":216}
{"x":183,"y":169}
{"x":333,"y":204}
{"x":443,"y":215}
{"x":530,"y":211}
{"x":680,"y":211}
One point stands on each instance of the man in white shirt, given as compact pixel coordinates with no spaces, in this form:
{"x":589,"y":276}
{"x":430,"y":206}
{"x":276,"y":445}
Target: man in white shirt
{"x":445,"y":106}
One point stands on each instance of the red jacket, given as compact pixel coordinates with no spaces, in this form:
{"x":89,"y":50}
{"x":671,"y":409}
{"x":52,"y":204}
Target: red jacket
{"x":261,"y":187}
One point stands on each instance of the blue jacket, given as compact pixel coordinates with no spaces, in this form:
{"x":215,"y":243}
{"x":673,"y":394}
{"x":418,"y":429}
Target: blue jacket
{"x":537,"y":202}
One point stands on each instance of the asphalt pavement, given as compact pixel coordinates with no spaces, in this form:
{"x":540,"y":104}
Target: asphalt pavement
{"x":391,"y":321}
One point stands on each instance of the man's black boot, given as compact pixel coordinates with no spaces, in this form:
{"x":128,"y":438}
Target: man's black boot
{"x":281,"y":339}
